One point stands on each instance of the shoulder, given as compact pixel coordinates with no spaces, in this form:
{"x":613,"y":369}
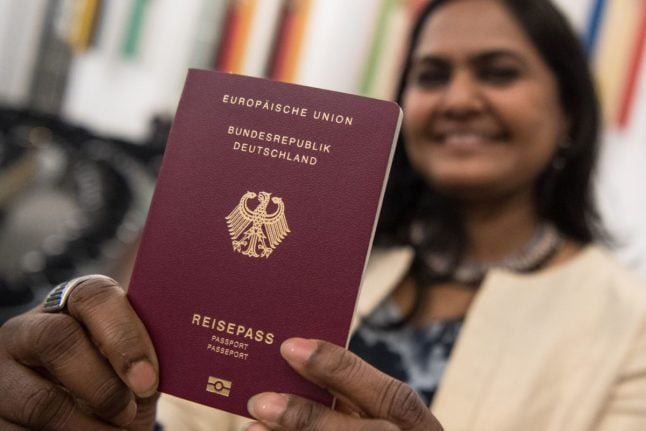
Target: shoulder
{"x":604,"y":272}
{"x":590,"y":290}
{"x":597,"y":287}
{"x":387,"y":266}
{"x":592,"y":271}
{"x":381,"y":256}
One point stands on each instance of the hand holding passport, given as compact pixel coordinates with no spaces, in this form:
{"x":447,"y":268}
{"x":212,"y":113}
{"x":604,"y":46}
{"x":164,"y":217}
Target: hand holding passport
{"x":259,"y":232}
{"x":107,"y":390}
{"x":362,"y":391}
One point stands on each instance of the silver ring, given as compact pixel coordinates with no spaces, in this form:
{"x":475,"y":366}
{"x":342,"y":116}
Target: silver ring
{"x":56,"y":299}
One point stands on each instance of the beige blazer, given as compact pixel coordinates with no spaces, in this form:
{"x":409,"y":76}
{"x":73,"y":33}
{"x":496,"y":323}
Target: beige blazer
{"x":563,"y":349}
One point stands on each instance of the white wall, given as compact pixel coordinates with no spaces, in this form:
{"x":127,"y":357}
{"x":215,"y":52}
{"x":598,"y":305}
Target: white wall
{"x":337,"y":42}
{"x":19,"y":39}
{"x":118,"y":95}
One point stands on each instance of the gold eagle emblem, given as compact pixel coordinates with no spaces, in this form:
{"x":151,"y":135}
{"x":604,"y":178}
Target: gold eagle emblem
{"x":255,"y":233}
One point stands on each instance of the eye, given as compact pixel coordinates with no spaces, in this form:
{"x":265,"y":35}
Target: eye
{"x":430,"y":77}
{"x":498,"y":75}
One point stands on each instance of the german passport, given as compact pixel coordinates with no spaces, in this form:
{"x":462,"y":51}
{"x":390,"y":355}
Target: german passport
{"x":259,"y":230}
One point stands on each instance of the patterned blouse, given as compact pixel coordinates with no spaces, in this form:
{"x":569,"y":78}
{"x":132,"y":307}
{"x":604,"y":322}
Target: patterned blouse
{"x":416,"y":355}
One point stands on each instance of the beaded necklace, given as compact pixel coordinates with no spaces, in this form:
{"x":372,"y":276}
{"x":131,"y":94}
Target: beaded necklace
{"x":544,"y":244}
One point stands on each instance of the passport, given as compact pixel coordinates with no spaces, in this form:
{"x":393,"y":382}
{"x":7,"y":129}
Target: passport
{"x":259,"y":230}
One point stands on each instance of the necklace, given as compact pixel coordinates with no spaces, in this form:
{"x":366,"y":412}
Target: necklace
{"x":544,"y":244}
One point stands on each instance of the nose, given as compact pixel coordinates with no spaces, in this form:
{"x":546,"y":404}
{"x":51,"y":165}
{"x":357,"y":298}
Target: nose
{"x":461,"y":97}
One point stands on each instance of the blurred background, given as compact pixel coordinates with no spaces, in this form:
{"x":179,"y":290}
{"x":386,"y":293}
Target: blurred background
{"x":88,"y":90}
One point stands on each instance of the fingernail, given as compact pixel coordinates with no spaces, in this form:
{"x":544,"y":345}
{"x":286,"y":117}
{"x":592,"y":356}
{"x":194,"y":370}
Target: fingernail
{"x":267,"y":407}
{"x":142,"y":379}
{"x":254,"y":426}
{"x":297,"y":349}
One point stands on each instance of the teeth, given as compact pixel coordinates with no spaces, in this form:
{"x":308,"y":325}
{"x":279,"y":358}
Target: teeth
{"x":465,"y":137}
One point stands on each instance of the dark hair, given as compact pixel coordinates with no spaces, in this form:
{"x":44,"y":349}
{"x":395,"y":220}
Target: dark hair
{"x":564,"y":193}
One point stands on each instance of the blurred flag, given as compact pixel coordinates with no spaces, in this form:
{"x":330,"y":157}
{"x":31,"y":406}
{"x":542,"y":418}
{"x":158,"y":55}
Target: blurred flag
{"x":235,"y":35}
{"x":83,"y":24}
{"x":615,"y":38}
{"x":385,"y":59}
{"x":134,"y":28}
{"x":288,"y":43}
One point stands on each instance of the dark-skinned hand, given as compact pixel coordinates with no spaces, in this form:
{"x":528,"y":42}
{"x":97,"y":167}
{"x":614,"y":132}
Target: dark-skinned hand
{"x":92,"y":367}
{"x":367,"y":399}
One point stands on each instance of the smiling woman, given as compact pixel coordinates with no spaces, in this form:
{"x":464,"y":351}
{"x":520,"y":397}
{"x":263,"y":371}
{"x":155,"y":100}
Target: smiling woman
{"x":483,"y":108}
{"x":486,"y":298}
{"x":501,"y":115}
{"x":491,"y":195}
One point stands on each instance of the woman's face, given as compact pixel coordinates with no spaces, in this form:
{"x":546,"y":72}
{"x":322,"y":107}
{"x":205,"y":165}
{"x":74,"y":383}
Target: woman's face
{"x":482,"y":112}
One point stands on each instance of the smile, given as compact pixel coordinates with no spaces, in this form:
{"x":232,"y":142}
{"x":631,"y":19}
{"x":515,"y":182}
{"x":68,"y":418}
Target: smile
{"x":466,"y":139}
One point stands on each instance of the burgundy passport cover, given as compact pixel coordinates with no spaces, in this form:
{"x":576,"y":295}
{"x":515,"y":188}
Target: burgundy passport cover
{"x":259,"y":230}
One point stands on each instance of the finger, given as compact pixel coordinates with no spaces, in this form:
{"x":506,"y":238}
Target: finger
{"x":36,"y":403}
{"x":346,"y":406}
{"x":289,"y":412}
{"x":8,"y":426}
{"x":358,"y":383}
{"x":146,"y":413}
{"x":103,"y":308}
{"x":57,"y":343}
